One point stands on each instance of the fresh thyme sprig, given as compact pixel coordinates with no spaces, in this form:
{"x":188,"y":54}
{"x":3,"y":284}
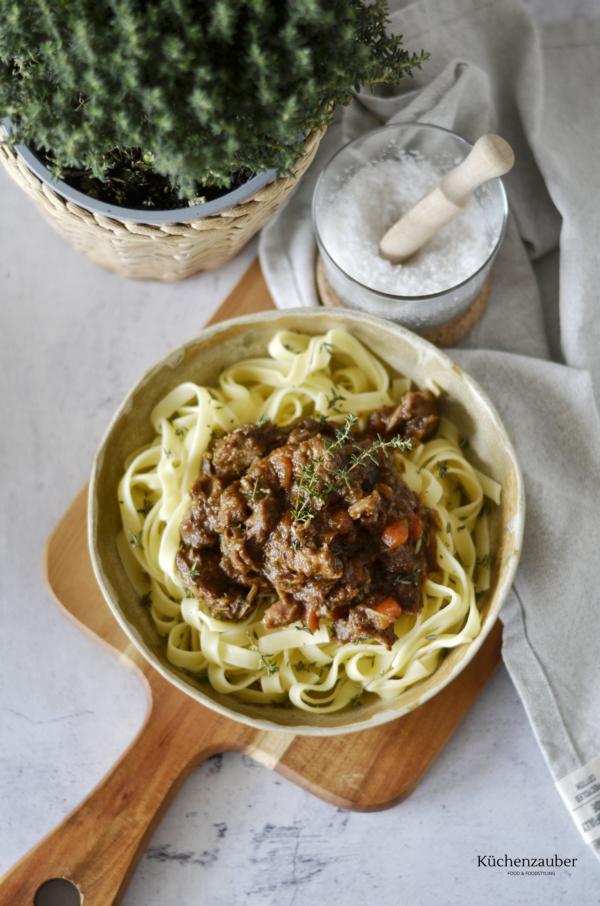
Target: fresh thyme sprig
{"x":342,"y":434}
{"x":379,"y":444}
{"x":270,"y":666}
{"x":335,"y":398}
{"x":312,"y":488}
{"x":253,"y":495}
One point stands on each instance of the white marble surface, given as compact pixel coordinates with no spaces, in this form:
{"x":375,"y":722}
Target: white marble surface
{"x":72,"y":341}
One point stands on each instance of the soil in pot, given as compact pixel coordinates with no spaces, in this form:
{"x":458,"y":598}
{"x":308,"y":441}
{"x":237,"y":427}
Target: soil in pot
{"x":132,"y":182}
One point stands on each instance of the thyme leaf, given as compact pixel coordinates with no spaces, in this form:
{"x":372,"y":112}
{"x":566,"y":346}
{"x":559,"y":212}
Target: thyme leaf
{"x":253,"y":495}
{"x":135,"y":539}
{"x":334,"y":399}
{"x":270,"y":666}
{"x":342,"y":434}
{"x":146,"y":506}
{"x":413,"y":579}
{"x":312,"y":490}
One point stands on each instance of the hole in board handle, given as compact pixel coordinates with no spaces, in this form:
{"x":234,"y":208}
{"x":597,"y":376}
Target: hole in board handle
{"x":58,"y":892}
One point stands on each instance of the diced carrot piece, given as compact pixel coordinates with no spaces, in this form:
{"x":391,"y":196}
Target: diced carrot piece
{"x":416,"y":527}
{"x":288,"y":472}
{"x":312,"y":620}
{"x":395,"y":534}
{"x":389,"y":607}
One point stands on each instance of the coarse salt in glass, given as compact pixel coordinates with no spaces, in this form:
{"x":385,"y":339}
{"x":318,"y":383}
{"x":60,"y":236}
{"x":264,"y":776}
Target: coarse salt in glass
{"x":366,"y":187}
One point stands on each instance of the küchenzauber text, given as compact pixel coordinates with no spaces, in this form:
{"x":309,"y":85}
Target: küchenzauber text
{"x":524,"y":862}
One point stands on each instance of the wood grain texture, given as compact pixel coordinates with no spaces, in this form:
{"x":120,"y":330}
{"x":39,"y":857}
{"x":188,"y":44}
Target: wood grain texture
{"x":97,"y":846}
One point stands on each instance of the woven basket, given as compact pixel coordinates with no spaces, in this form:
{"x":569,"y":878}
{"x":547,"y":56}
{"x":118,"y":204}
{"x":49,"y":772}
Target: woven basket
{"x":170,"y":251}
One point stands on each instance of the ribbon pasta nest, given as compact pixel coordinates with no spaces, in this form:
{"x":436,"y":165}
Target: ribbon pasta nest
{"x":309,"y":532}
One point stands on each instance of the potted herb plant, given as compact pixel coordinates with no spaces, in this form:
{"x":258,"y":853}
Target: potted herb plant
{"x":158,"y":137}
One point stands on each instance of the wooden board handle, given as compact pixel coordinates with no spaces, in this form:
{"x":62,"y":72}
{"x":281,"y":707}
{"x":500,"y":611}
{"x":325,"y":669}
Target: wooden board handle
{"x":97,"y":846}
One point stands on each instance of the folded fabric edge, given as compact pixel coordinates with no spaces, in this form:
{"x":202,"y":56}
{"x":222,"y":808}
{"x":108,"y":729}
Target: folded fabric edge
{"x":535,"y":692}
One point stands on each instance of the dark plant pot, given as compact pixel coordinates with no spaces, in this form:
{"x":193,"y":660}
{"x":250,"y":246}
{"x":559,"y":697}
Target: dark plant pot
{"x":185,"y":214}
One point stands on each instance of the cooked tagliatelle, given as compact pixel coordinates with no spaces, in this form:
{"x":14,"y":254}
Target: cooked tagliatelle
{"x":331,"y":376}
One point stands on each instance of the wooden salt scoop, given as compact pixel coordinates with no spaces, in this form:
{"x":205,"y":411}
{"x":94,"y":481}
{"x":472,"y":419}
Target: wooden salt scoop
{"x":490,"y":156}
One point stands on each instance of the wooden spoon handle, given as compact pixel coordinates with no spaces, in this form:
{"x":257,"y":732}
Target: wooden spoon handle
{"x":490,"y":156}
{"x":97,"y":845}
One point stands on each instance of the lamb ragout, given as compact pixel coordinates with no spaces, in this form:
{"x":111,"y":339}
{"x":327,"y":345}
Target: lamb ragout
{"x":316,"y":514}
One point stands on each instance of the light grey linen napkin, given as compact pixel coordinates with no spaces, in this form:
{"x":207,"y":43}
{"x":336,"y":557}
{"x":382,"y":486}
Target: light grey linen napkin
{"x":537,"y":348}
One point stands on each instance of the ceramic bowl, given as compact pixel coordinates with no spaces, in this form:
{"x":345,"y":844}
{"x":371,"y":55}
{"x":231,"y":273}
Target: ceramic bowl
{"x":201,"y":360}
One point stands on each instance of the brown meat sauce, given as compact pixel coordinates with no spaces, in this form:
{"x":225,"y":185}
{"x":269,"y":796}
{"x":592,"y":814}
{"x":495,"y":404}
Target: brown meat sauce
{"x":313,"y":514}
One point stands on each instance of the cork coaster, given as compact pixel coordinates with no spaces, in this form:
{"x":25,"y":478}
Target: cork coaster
{"x":448,"y":334}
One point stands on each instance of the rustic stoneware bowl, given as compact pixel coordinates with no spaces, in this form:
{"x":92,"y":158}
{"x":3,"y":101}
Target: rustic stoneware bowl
{"x":200,"y":361}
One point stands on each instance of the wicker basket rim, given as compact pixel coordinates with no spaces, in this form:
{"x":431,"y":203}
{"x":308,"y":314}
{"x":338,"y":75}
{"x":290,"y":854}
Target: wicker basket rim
{"x":139,"y":215}
{"x":167,"y":251}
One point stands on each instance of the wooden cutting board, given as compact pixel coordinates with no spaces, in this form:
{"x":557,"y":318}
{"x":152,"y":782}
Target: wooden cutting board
{"x":97,"y":846}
